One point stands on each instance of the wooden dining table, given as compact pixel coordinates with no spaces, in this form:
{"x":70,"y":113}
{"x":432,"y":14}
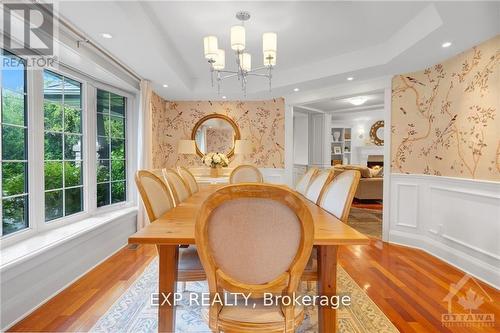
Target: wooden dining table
{"x":177,"y":227}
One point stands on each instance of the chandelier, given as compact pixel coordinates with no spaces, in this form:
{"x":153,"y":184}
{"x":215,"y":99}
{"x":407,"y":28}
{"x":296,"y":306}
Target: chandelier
{"x":217,"y":57}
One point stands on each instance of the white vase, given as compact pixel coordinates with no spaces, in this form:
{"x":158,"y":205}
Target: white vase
{"x":336,"y":136}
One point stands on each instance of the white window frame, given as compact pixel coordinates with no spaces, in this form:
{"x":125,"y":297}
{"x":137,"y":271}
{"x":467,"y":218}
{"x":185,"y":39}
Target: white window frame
{"x":36,"y":183}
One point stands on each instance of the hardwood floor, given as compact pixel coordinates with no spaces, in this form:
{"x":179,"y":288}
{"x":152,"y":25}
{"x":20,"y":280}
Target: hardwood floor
{"x":408,"y":285}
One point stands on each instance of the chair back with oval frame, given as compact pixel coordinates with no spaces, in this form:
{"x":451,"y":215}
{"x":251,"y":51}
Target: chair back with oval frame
{"x":339,"y":193}
{"x":246,"y":174}
{"x":155,"y":193}
{"x":317,"y":185}
{"x":305,"y":180}
{"x":254,"y":238}
{"x":180,"y":190}
{"x":189,"y":179}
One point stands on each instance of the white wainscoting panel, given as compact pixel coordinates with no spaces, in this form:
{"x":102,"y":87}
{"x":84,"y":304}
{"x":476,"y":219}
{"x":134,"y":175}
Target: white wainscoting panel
{"x":273,"y":175}
{"x":457,"y":220}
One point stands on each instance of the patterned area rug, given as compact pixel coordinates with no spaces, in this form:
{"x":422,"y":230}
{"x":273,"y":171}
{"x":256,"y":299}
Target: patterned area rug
{"x":366,"y":221}
{"x":132,"y":312}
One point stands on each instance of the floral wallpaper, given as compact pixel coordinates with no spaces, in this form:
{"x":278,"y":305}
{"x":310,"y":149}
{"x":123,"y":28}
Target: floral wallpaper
{"x":219,"y":140}
{"x":445,"y":119}
{"x":260,"y":122}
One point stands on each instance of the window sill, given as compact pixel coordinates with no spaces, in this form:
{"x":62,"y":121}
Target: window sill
{"x":19,"y":252}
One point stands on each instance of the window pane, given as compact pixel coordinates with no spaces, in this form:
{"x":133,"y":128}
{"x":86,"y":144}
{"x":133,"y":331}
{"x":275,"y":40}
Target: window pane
{"x":72,"y":147}
{"x":53,"y":116}
{"x":14,"y":214}
{"x":63,"y":150}
{"x":13,"y":143}
{"x":72,"y":93}
{"x":13,"y":77}
{"x":117,"y":127}
{"x":102,"y":194}
{"x":53,"y":205}
{"x":13,"y":108}
{"x":117,"y":192}
{"x":117,"y":105}
{"x":111,"y":163}
{"x":117,"y":170}
{"x":72,"y":174}
{"x":73,"y":201}
{"x":13,"y":178}
{"x":102,"y":124}
{"x":102,"y":147}
{"x":14,"y":140}
{"x":117,"y":149}
{"x":102,"y":171}
{"x":53,"y":175}
{"x":102,"y":101}
{"x":72,"y":120}
{"x":53,"y":146}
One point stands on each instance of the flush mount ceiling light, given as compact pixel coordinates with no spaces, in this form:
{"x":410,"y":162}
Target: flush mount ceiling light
{"x":446,"y":44}
{"x":106,"y":35}
{"x":217,"y":57}
{"x":350,"y":78}
{"x":165,"y":85}
{"x":358,"y":100}
{"x":296,"y":89}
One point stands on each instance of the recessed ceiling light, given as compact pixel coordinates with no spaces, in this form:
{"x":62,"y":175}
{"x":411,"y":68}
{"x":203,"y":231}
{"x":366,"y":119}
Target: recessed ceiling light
{"x":446,"y":44}
{"x":106,"y":35}
{"x":165,"y":85}
{"x":358,"y":100}
{"x":224,"y":97}
{"x":350,"y":78}
{"x":296,"y":89}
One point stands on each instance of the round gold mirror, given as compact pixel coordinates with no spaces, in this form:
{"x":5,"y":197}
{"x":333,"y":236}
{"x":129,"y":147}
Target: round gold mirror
{"x":215,"y":133}
{"x":377,"y":133}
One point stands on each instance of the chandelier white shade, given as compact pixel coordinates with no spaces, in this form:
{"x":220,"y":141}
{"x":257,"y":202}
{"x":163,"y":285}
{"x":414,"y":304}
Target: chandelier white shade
{"x":246,"y":61}
{"x":210,"y":47}
{"x":269,"y":42}
{"x":238,"y":38}
{"x":217,"y":58}
{"x":220,"y":60}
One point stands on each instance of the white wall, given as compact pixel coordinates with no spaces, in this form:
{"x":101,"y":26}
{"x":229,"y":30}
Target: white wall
{"x":457,"y":220}
{"x":300,"y":138}
{"x":360,"y":124}
{"x":35,"y":280}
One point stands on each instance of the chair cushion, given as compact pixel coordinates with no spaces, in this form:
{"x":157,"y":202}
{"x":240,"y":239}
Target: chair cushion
{"x":260,"y":314}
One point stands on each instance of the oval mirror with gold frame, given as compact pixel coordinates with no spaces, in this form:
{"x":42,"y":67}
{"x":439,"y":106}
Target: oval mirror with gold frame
{"x":215,"y":133}
{"x":377,"y":133}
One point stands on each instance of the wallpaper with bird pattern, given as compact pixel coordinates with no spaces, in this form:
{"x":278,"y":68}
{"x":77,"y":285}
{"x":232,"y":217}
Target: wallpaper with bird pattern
{"x":445,"y":119}
{"x":260,"y":122}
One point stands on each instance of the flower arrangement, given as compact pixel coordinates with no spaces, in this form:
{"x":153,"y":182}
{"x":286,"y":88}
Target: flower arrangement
{"x":215,"y":160}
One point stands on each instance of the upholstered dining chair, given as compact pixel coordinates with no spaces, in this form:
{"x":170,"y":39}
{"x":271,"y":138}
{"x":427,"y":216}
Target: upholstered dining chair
{"x":317,"y":185}
{"x":304,"y":182}
{"x":157,"y":200}
{"x":180,"y":190}
{"x":339,"y":193}
{"x":254,"y":238}
{"x":246,"y":174}
{"x":189,"y":179}
{"x":337,"y":200}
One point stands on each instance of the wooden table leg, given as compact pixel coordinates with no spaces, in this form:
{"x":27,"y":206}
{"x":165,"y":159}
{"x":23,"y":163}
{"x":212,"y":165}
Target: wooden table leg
{"x":167,"y":285}
{"x":327,"y":285}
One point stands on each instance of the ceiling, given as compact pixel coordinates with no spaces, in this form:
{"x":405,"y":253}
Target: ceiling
{"x":374,"y":101}
{"x":319,"y":43}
